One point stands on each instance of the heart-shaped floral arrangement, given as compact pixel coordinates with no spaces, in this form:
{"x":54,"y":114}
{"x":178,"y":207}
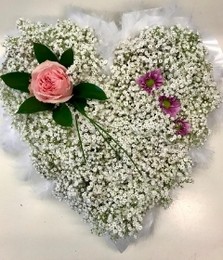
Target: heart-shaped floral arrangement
{"x":114,"y":145}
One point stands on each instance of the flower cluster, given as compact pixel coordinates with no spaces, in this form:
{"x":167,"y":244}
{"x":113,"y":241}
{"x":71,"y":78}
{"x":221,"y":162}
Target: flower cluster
{"x":169,"y":105}
{"x":108,"y":190}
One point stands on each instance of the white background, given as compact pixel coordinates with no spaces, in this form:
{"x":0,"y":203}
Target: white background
{"x":191,"y":229}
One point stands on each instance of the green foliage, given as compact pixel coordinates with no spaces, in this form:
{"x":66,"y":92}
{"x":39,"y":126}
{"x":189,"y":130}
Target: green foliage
{"x":62,"y":115}
{"x":17,"y":80}
{"x":32,"y":105}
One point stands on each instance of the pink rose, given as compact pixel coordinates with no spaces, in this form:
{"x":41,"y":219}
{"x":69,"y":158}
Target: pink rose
{"x":50,"y":83}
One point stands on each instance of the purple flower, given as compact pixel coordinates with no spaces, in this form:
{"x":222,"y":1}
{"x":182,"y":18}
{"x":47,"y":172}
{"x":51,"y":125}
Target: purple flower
{"x":170,"y":105}
{"x":182,"y":127}
{"x":151,"y":80}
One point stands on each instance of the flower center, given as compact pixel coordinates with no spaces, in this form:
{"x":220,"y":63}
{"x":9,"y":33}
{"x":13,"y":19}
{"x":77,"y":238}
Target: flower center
{"x":166,"y":104}
{"x":150,"y":83}
{"x":178,"y":126}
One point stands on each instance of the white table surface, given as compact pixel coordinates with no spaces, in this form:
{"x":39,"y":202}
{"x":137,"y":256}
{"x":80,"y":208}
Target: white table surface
{"x":35,"y":229}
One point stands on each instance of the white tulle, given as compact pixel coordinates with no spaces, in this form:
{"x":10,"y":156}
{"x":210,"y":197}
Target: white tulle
{"x":110,"y":35}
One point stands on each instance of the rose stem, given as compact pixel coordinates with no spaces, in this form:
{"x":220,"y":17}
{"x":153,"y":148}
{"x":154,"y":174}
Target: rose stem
{"x":97,"y":126}
{"x":79,"y":136}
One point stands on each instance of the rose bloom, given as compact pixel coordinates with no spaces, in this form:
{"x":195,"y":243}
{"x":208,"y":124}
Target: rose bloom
{"x":50,"y":83}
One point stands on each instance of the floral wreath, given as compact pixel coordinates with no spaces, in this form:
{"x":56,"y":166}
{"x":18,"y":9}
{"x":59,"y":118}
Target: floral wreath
{"x":116,"y":151}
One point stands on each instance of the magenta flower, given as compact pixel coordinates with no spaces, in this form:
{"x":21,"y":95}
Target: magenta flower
{"x":170,"y":105}
{"x":182,"y":127}
{"x":151,"y":80}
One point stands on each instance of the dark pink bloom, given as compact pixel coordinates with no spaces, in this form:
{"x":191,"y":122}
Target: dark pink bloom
{"x":182,"y":127}
{"x":170,"y":105}
{"x":151,"y":80}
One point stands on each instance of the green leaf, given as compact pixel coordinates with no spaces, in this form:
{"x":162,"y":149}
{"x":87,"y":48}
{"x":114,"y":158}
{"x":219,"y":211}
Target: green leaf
{"x":88,"y":90}
{"x":17,"y":80}
{"x":32,"y":105}
{"x":67,"y":58}
{"x":43,"y":53}
{"x":79,"y":104}
{"x":62,"y":115}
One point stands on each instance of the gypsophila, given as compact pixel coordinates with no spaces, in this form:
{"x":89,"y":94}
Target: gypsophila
{"x":108,"y":191}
